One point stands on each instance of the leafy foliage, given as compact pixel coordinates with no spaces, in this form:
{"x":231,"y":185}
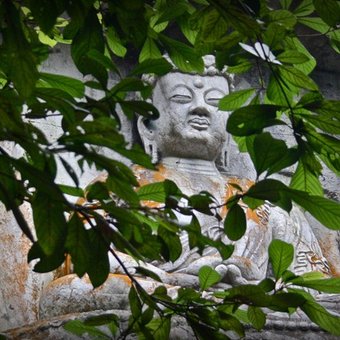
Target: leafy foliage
{"x":245,"y":35}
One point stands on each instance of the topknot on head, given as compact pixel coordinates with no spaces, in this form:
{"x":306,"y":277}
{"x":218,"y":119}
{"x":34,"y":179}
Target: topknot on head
{"x":210,"y":69}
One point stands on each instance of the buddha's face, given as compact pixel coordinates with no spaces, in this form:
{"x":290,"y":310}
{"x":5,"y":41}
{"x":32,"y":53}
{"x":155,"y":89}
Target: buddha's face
{"x":190,"y":124}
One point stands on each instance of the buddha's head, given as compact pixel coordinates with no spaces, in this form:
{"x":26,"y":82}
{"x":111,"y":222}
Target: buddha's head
{"x":190,"y":124}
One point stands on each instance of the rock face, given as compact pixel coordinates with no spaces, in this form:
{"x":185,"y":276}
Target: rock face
{"x":189,"y":142}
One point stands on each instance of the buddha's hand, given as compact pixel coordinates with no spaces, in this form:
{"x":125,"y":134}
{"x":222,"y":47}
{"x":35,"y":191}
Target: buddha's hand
{"x":231,"y":274}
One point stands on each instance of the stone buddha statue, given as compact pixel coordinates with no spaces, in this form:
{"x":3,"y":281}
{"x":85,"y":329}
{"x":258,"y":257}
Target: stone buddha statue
{"x":189,"y":145}
{"x":188,"y":142}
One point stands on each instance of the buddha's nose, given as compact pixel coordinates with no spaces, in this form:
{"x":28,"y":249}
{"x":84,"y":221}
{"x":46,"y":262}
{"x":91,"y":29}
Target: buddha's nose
{"x":199,"y":111}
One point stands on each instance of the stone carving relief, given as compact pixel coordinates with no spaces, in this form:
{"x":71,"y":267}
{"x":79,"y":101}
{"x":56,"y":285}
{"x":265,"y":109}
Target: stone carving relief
{"x":188,"y":142}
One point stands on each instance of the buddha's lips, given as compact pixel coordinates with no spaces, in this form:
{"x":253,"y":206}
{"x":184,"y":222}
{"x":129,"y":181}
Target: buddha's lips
{"x":199,"y":123}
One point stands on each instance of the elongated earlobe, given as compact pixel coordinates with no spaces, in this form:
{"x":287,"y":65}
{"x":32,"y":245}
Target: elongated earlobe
{"x":147,"y":135}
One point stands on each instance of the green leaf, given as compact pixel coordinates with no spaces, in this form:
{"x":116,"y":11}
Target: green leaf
{"x":46,"y":263}
{"x":230,"y":322}
{"x":281,"y":255}
{"x":79,"y":328}
{"x":127,"y":85}
{"x":325,"y":145}
{"x":16,"y":55}
{"x":89,"y":37}
{"x":148,"y":273}
{"x":267,"y":285}
{"x":292,"y":57}
{"x":265,"y":151}
{"x":331,"y":286}
{"x":296,"y":77}
{"x":321,"y":317}
{"x":328,"y":10}
{"x":252,"y":119}
{"x":145,"y":109}
{"x":311,"y":100}
{"x":172,"y":10}
{"x":278,"y":91}
{"x":304,"y":180}
{"x":235,"y":100}
{"x":282,"y":17}
{"x":172,"y":246}
{"x":160,"y":328}
{"x":99,"y":320}
{"x":135,"y":303}
{"x":293,"y":43}
{"x":115,"y":43}
{"x":256,"y":317}
{"x":73,"y":87}
{"x":213,"y":26}
{"x":305,"y":8}
{"x":157,"y":66}
{"x":271,"y":190}
{"x":289,"y":158}
{"x":326,"y":123}
{"x":235,"y":223}
{"x":153,"y":192}
{"x":70,"y":171}
{"x":78,"y":245}
{"x":49,"y":221}
{"x":315,"y":23}
{"x":101,"y":59}
{"x":98,"y":266}
{"x":46,"y":12}
{"x":208,"y":277}
{"x":323,"y":209}
{"x":183,"y":56}
{"x":149,"y":51}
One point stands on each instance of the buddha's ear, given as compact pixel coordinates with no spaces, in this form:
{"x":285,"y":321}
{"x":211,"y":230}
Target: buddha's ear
{"x":146,"y":132}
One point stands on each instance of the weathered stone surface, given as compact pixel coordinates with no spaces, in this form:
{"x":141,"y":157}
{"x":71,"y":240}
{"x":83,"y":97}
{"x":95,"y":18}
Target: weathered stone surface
{"x":20,"y":291}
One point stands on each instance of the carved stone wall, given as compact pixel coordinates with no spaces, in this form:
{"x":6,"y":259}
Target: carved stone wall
{"x":20,"y":288}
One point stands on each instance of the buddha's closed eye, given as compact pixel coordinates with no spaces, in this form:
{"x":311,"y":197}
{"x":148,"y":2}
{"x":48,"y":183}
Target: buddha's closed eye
{"x":181,"y":98}
{"x":212,"y":97}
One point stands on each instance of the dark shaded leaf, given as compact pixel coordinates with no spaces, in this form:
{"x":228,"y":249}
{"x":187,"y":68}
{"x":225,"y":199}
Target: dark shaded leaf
{"x":252,"y":119}
{"x":156,"y":66}
{"x":72,"y":86}
{"x":49,"y":221}
{"x":329,"y":11}
{"x":160,"y":328}
{"x":98,"y":266}
{"x":78,"y":327}
{"x":256,"y":317}
{"x":46,"y":262}
{"x":265,"y":151}
{"x":130,"y":108}
{"x":235,"y":223}
{"x":16,"y":55}
{"x":78,"y":244}
{"x":135,"y":303}
{"x":148,"y":273}
{"x":99,"y":320}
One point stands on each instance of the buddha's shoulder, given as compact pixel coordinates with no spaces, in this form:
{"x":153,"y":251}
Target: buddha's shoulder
{"x":145,"y":176}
